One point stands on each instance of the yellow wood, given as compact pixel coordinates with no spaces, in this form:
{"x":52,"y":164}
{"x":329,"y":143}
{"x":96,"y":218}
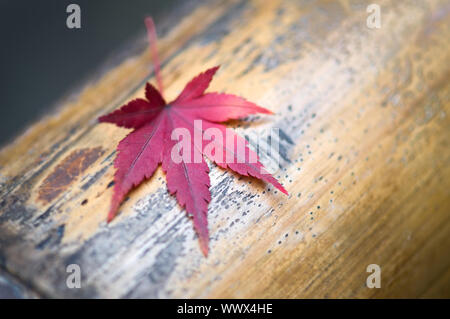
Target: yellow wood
{"x":366,"y":115}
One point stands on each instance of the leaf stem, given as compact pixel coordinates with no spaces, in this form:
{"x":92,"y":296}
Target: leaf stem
{"x":152,"y":39}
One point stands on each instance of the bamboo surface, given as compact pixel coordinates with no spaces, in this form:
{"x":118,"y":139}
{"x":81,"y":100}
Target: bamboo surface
{"x":365,"y":135}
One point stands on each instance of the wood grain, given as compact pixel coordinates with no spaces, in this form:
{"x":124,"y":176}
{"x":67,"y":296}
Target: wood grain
{"x":364,"y":141}
{"x":10,"y":288}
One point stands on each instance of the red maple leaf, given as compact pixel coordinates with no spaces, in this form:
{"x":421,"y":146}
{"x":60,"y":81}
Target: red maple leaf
{"x":151,"y":142}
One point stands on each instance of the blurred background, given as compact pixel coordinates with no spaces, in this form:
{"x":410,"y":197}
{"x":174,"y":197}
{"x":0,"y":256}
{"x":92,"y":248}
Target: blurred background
{"x":42,"y":60}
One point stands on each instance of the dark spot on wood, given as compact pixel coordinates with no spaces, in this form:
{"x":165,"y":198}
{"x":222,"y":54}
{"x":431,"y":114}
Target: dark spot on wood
{"x":84,"y":202}
{"x":42,"y":217}
{"x":2,"y":260}
{"x":13,"y":209}
{"x":94,"y":178}
{"x":53,"y":239}
{"x":109,"y":157}
{"x":241,"y":45}
{"x":67,"y":172}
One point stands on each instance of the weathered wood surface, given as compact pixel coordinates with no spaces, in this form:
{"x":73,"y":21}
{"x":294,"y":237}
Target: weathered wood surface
{"x":10,"y":288}
{"x":365,"y":146}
